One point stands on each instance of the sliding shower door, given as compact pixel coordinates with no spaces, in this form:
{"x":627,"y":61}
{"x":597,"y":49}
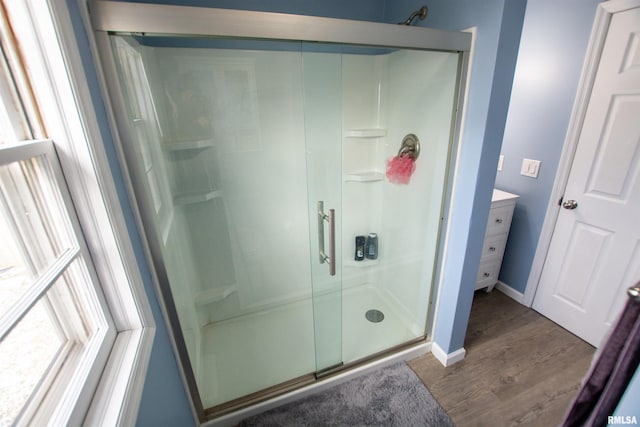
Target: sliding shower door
{"x":234,"y":150}
{"x":283,"y":249}
{"x":322,"y":86}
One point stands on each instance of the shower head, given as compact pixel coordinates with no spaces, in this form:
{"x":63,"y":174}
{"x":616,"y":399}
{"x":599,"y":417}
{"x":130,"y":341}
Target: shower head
{"x":422,"y":13}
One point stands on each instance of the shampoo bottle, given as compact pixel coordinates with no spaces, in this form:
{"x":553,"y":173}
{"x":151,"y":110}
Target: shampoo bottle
{"x":371,"y":247}
{"x":359,"y":255}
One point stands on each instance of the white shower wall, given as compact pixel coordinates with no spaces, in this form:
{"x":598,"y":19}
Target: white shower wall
{"x":258,"y":130}
{"x":412,"y":254}
{"x":259,"y":127}
{"x":283,"y":130}
{"x":397,"y":93}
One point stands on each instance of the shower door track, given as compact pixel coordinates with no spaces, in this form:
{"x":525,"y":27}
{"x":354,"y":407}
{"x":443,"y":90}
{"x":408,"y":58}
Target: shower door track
{"x":259,"y":396}
{"x":304,"y":380}
{"x":330,"y":370}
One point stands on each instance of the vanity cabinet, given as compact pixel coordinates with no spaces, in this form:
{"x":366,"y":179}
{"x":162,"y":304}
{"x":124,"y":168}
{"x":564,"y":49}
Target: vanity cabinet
{"x":495,"y":238}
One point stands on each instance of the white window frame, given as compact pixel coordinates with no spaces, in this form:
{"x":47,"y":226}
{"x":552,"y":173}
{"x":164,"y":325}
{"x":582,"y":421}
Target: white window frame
{"x":56,"y":74}
{"x":82,"y":321}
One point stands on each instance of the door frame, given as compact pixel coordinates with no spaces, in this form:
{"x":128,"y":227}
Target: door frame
{"x":604,"y":13}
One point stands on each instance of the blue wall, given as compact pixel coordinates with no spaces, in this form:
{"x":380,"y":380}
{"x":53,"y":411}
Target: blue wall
{"x":498,"y":24}
{"x":555,"y":36}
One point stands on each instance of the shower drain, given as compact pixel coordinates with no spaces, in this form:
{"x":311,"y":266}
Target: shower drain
{"x":374,"y":316}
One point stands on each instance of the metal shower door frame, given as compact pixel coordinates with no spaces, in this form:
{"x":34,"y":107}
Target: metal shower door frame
{"x":124,"y":17}
{"x":113,"y":17}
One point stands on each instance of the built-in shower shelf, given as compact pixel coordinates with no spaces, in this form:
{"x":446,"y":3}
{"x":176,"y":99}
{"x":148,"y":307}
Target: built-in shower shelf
{"x":367,"y":176}
{"x":365,"y":133}
{"x":360,"y":264}
{"x":191,"y":198}
{"x":213,"y":295}
{"x":189,"y":145}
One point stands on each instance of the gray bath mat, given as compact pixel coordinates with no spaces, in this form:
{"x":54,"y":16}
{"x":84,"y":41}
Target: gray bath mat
{"x":392,"y":396}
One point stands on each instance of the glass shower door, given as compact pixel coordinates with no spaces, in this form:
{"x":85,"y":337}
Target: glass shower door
{"x":322,"y":75}
{"x":230,"y":149}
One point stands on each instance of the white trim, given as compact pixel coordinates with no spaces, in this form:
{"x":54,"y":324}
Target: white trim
{"x":11,"y":117}
{"x":118,"y":398}
{"x":447,"y":359}
{"x":615,"y":6}
{"x":39,"y":287}
{"x":510,"y":292}
{"x":16,"y":152}
{"x":234,"y":418}
{"x":120,"y":389}
{"x":115,"y":241}
{"x":57,"y":73}
{"x":598,"y":35}
{"x":463,"y":117}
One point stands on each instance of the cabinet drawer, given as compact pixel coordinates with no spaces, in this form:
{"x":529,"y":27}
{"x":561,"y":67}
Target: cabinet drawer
{"x":499,"y":220}
{"x":493,"y":247}
{"x":488,"y":274}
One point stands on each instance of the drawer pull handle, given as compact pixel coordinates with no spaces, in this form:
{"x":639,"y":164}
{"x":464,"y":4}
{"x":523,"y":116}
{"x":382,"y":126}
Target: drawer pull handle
{"x":492,"y":249}
{"x":498,"y":220}
{"x":487,"y":274}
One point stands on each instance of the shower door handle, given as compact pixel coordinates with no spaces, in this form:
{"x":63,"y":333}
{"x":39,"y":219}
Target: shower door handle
{"x":331,"y":219}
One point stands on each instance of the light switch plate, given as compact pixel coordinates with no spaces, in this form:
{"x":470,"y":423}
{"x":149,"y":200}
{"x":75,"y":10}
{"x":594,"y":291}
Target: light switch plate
{"x":530,"y":168}
{"x":500,"y":161}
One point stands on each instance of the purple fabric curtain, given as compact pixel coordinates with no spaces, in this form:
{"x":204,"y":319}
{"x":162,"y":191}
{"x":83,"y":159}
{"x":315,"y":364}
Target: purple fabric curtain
{"x":610,"y":373}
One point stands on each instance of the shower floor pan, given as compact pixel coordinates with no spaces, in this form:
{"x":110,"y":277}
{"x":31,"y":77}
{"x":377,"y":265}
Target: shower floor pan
{"x":257,"y":351}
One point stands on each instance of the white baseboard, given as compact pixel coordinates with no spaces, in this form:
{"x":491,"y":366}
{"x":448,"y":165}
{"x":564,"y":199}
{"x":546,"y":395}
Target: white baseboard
{"x":447,"y":359}
{"x":510,"y":292}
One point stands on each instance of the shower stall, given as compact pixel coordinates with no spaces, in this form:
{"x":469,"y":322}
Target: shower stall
{"x":256,"y":145}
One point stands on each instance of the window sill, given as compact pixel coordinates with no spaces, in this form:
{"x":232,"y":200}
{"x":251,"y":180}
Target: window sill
{"x":119,"y":391}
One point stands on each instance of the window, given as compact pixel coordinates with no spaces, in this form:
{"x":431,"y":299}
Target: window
{"x":55,"y":326}
{"x":75,"y":326}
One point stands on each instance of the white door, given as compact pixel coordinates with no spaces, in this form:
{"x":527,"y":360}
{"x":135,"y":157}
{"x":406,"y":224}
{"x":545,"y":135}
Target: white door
{"x":594,"y":253}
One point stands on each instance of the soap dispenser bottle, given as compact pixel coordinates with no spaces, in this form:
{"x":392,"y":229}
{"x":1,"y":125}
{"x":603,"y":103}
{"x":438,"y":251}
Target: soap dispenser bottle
{"x":371,"y":247}
{"x":360,"y":244}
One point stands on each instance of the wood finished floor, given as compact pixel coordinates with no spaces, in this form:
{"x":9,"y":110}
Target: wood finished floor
{"x":520,"y":368}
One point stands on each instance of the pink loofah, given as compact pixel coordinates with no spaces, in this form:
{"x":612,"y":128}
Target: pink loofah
{"x":400,"y":169}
